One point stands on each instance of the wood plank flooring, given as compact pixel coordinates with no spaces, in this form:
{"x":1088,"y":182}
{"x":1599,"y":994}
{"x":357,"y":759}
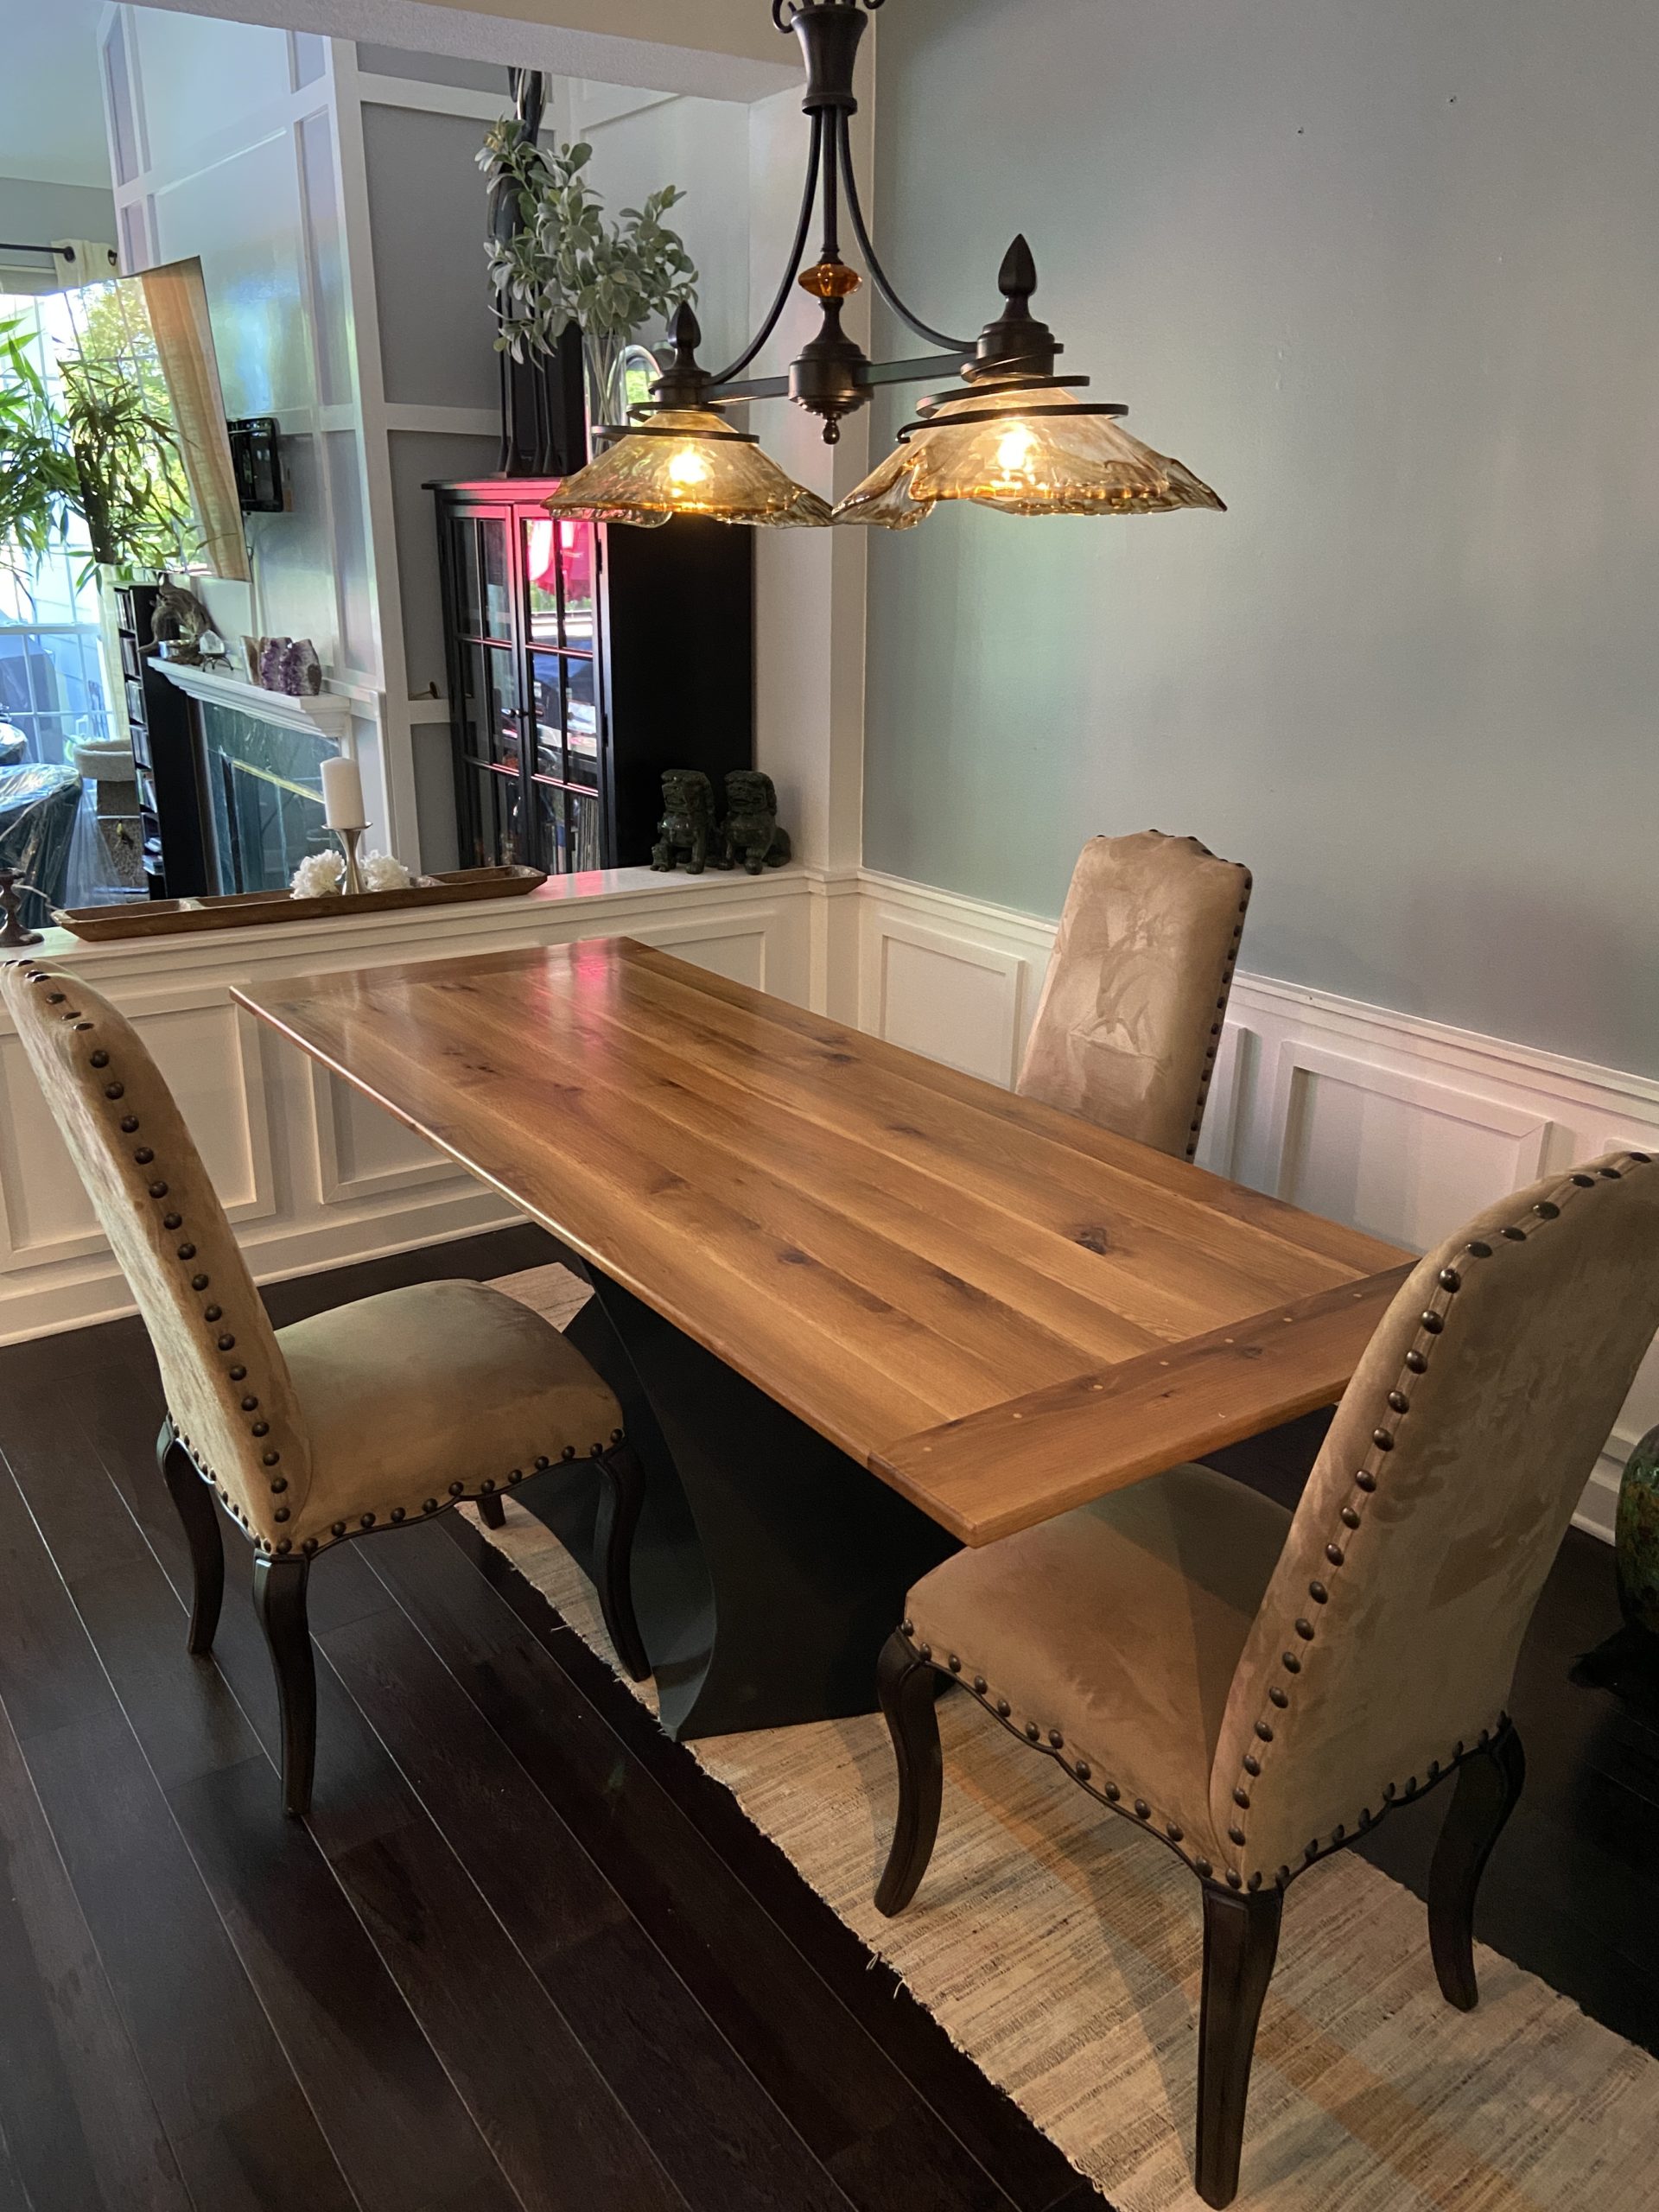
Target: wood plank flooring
{"x":524,"y":1957}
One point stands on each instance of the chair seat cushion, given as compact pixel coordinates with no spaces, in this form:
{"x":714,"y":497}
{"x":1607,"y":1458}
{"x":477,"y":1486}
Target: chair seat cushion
{"x":409,"y":1394}
{"x":1119,"y":1624}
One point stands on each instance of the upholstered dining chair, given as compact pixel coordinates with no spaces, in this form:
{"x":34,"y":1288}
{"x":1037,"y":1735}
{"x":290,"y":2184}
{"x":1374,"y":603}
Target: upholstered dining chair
{"x":1256,"y":1689}
{"x":358,"y":1421}
{"x":1130,"y":1020}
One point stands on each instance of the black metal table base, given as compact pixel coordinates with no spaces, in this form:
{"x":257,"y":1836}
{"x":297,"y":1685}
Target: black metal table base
{"x":769,"y":1567}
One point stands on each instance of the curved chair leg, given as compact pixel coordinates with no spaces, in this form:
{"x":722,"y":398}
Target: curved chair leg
{"x":908,"y":1689}
{"x":622,"y":1492}
{"x":194,"y":1502}
{"x":1241,"y":1940}
{"x":279,"y":1600}
{"x":491,"y":1510}
{"x":1488,"y":1786}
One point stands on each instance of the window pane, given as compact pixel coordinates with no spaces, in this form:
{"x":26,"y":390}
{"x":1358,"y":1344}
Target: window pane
{"x":463,"y":552}
{"x":542,"y":577}
{"x":498,"y":597}
{"x":489,"y":712}
{"x":586,"y":841}
{"x":495,"y":839}
{"x":551,"y":841}
{"x":580,"y":724}
{"x":547,"y":699}
{"x":576,"y":542}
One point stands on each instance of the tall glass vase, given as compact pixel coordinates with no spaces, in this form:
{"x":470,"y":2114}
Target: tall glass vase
{"x":618,"y":372}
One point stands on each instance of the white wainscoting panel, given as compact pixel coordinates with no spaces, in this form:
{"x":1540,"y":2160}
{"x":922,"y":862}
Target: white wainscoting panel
{"x":1396,"y":1125}
{"x":1391,"y":1153}
{"x":1399,"y":1126}
{"x":312,"y":1175}
{"x":211,"y":1056}
{"x":361,"y":1152}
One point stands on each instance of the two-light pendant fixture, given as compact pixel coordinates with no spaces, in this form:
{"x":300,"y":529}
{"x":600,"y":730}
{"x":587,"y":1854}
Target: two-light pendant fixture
{"x":1015,"y":437}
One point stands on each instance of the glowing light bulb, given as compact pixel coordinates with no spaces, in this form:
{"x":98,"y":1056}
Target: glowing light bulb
{"x":688,"y":467}
{"x":1014,"y":450}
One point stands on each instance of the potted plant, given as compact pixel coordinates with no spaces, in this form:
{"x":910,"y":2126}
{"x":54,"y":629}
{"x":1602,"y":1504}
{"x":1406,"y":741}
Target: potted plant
{"x":103,"y":450}
{"x":563,"y":263}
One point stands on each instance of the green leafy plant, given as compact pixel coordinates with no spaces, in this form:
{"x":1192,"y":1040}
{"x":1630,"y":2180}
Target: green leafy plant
{"x":565,"y":263}
{"x":39,"y":489}
{"x":105,"y":450}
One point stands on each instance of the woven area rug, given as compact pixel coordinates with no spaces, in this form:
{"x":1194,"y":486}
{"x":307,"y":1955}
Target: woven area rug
{"x":1060,"y":1949}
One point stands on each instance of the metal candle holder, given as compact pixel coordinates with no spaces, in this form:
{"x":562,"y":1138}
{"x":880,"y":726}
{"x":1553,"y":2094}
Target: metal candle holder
{"x":348,"y":839}
{"x":14,"y":936}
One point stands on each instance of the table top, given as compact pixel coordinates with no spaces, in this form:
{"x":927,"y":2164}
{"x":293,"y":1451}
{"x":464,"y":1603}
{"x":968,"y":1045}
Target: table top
{"x":998,"y":1308}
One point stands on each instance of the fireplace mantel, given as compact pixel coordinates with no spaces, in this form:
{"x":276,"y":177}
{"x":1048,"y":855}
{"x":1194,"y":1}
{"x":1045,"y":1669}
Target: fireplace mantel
{"x":318,"y":713}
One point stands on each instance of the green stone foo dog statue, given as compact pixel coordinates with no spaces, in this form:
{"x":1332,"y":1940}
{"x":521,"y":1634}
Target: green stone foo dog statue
{"x":752,"y":834}
{"x":1636,"y":1543}
{"x":687,"y":823}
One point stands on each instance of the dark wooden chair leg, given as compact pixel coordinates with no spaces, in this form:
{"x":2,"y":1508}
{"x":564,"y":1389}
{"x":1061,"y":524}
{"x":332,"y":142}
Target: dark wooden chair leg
{"x":905,"y":1684}
{"x":279,"y":1600}
{"x":622,"y":1492}
{"x":491,"y":1510}
{"x":194,"y":1502}
{"x":1488,"y":1786}
{"x":1241,"y":1940}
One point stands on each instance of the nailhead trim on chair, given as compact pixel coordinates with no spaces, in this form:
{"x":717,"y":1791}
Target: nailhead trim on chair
{"x":172,"y":1223}
{"x":1051,"y":1742}
{"x":1226,"y":988}
{"x":1432,"y":1325}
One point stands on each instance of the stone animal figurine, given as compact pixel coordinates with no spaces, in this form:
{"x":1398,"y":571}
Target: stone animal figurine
{"x":688,"y":824}
{"x":751,"y":833}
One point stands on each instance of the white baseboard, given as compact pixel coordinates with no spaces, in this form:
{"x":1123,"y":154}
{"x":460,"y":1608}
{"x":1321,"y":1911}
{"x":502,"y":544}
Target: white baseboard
{"x":1394,"y":1124}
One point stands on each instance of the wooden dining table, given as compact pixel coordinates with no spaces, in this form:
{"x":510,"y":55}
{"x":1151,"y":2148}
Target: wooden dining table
{"x":860,"y":1308}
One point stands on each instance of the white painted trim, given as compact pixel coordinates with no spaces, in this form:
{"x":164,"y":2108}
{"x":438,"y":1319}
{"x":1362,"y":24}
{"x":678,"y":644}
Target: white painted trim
{"x":469,"y":34}
{"x":300,"y":1202}
{"x":378,"y":91}
{"x":400,"y":820}
{"x":319,"y":714}
{"x":1541,"y":1110}
{"x":1528,"y":1133}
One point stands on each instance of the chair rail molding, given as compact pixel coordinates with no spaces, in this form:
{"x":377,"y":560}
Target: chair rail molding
{"x":312,"y":1175}
{"x":1388,"y":1121}
{"x":1392,"y":1123}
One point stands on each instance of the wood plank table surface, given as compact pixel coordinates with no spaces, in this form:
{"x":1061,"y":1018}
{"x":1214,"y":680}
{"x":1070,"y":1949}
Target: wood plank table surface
{"x":997,"y":1308}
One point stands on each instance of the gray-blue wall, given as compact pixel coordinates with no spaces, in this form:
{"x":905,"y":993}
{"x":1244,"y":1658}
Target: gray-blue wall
{"x":1386,"y":273}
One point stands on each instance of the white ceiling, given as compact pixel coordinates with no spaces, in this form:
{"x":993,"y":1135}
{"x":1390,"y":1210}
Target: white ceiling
{"x":51,"y":107}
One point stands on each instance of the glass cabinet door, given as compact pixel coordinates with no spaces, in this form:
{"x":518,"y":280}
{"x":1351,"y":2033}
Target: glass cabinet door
{"x":527,"y":708}
{"x":489,"y":717}
{"x":566,"y":820}
{"x":477,"y":558}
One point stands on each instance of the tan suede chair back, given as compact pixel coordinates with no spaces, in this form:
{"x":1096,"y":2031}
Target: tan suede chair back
{"x":1129,"y":1021}
{"x":1387,"y":1641}
{"x":227,"y":1383}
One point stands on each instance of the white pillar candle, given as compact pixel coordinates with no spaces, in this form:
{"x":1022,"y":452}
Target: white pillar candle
{"x":342,"y":795}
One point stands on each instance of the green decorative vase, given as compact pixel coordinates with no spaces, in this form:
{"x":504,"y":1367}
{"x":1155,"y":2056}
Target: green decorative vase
{"x":1636,"y":1541}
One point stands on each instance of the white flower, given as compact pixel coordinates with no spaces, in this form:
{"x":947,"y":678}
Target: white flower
{"x":318,"y":874}
{"x":382,"y":873}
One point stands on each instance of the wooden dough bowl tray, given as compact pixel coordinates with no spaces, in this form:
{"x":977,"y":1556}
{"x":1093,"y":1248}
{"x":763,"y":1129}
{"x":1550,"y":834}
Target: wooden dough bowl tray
{"x":243,"y":910}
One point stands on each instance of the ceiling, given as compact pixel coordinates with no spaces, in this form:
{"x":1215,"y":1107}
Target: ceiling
{"x":51,"y":107}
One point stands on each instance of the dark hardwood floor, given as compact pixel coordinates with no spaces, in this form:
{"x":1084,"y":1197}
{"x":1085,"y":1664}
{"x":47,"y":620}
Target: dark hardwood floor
{"x":524,"y":1954}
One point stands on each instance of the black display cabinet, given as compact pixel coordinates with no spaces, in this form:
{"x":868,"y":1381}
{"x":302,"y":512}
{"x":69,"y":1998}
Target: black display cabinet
{"x":164,"y":754}
{"x":583,"y":660}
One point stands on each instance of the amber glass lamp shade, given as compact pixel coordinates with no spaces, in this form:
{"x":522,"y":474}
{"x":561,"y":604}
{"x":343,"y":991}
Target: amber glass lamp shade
{"x":1037,"y":451}
{"x":685,"y":461}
